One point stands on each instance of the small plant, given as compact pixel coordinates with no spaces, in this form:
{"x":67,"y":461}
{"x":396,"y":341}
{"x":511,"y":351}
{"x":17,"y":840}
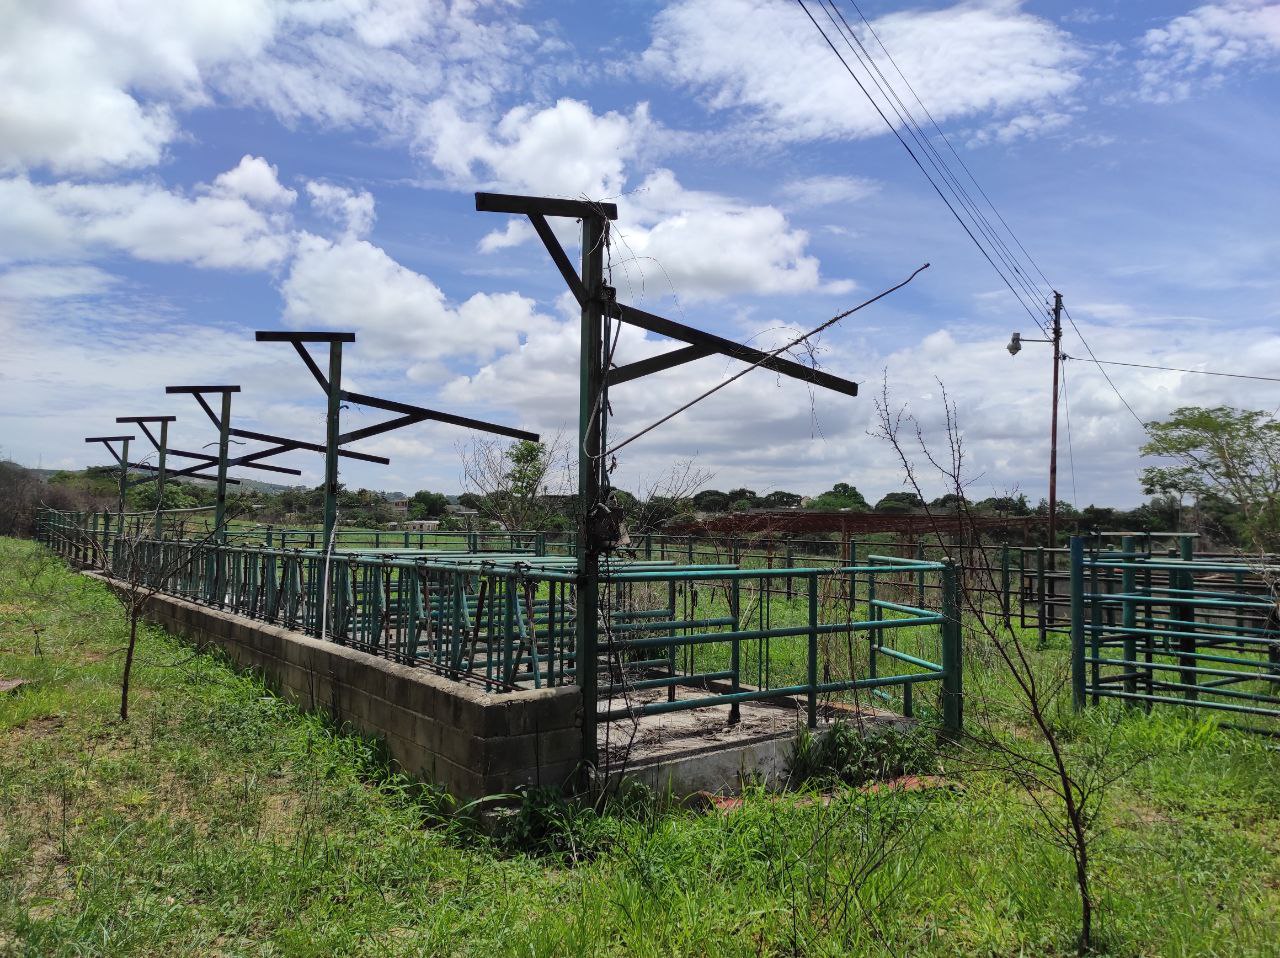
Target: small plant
{"x":547,"y":824}
{"x":854,"y":754}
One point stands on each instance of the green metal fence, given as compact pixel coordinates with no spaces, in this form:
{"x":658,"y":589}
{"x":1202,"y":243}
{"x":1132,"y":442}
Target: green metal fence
{"x":1194,"y":631}
{"x":671,"y":636}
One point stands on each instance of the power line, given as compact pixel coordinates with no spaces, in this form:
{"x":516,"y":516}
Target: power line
{"x":945,"y":139}
{"x":763,"y":359}
{"x":1177,"y":369}
{"x":1105,"y":375}
{"x":1071,"y":454}
{"x":910,"y":152}
{"x":914,"y":128}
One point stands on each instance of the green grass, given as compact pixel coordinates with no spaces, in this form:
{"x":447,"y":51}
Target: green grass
{"x":219,"y":821}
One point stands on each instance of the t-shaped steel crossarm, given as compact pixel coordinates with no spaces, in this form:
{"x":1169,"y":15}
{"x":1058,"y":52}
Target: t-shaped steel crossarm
{"x":700,"y":343}
{"x":331,"y":383}
{"x":600,"y":309}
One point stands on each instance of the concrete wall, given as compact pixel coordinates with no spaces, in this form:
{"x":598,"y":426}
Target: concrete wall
{"x":471,"y":742}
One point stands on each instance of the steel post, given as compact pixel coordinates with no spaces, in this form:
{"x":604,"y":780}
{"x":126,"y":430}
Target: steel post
{"x":331,"y":444}
{"x":1077,"y":623}
{"x":591,"y":410}
{"x":952,"y":653}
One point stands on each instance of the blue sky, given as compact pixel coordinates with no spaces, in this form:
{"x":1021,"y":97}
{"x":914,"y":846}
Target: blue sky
{"x":174,"y":175}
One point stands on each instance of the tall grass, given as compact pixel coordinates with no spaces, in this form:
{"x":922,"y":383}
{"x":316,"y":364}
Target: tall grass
{"x":220,"y":821}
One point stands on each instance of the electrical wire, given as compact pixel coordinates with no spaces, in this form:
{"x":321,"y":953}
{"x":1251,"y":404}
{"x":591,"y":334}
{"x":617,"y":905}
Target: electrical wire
{"x":982,"y":248}
{"x":907,"y":118}
{"x":945,"y":139}
{"x":1071,"y":455}
{"x":1178,"y":369}
{"x":763,"y":359}
{"x":1114,"y":388}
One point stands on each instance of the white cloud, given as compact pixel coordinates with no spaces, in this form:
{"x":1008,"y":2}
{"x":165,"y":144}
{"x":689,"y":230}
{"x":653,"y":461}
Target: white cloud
{"x":255,"y":180}
{"x":216,"y":228}
{"x":563,"y":150}
{"x":516,"y":232}
{"x":92,"y":85}
{"x":397,"y":313}
{"x":1199,"y":47}
{"x":30,"y":283}
{"x":352,"y":210}
{"x":818,"y":191}
{"x":764,"y":58}
{"x":710,"y":246}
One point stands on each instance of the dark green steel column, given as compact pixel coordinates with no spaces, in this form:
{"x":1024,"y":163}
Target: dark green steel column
{"x":591,"y":377}
{"x":812,"y":676}
{"x":1128,"y":614}
{"x":331,"y":443}
{"x":224,"y":445}
{"x":124,"y":484}
{"x":164,"y":453}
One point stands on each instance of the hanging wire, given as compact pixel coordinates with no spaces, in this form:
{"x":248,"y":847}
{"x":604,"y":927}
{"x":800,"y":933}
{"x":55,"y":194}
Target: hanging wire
{"x":1177,"y":369}
{"x":1071,"y":456}
{"x":763,"y":359}
{"x":982,"y":248}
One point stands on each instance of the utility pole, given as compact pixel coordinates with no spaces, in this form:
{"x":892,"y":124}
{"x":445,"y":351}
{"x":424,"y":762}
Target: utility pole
{"x":1053,"y":432}
{"x":591,"y":413}
{"x":1015,"y":347}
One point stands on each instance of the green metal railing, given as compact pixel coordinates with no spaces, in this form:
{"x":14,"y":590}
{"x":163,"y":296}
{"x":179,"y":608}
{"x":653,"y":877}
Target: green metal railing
{"x":671,"y":637}
{"x":1192,"y":630}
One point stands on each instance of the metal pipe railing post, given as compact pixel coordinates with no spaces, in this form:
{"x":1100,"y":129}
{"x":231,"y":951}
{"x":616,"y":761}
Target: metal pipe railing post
{"x":813,"y":650}
{"x":952,"y":653}
{"x":1077,"y":623}
{"x":1128,"y":613}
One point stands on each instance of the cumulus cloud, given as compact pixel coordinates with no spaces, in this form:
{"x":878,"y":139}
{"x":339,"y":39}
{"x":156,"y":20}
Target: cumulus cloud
{"x":1200,"y":47}
{"x":710,"y":246}
{"x":90,"y":86}
{"x":255,"y":180}
{"x":353,"y":210}
{"x":565,"y":149}
{"x":764,"y":59}
{"x":398,"y":313}
{"x":222,"y":226}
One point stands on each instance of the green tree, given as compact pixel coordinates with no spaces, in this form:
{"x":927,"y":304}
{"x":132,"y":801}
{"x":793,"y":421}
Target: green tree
{"x":782,"y":500}
{"x":840,"y":496}
{"x":427,"y":505}
{"x":900,"y":502}
{"x":711,"y":500}
{"x":1224,"y":453}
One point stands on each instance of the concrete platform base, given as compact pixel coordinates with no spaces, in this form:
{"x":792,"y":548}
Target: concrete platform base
{"x":680,"y":753}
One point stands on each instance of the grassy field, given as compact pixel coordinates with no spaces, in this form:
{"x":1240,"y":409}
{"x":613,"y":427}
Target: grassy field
{"x":219,"y":821}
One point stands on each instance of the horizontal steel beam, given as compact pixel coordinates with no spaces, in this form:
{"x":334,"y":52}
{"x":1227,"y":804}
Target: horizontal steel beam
{"x":285,"y":336}
{"x":727,"y":347}
{"x":413,"y":414}
{"x":656,"y":364}
{"x":202,"y":389}
{"x":108,"y":438}
{"x":292,"y":444}
{"x":543,"y":205}
{"x":142,"y":419}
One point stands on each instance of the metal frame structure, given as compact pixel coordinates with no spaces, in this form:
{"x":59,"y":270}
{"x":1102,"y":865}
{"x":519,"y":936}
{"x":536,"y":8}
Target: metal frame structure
{"x":600,"y":309}
{"x":507,"y":620}
{"x":335,"y":395}
{"x":1197,"y":631}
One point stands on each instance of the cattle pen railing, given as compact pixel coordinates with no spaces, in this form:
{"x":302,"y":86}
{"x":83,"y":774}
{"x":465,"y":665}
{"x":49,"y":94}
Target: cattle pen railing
{"x":670,"y":637}
{"x":1194,"y":631}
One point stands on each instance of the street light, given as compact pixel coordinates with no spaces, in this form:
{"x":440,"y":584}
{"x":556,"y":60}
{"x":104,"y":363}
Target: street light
{"x":1015,"y":347}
